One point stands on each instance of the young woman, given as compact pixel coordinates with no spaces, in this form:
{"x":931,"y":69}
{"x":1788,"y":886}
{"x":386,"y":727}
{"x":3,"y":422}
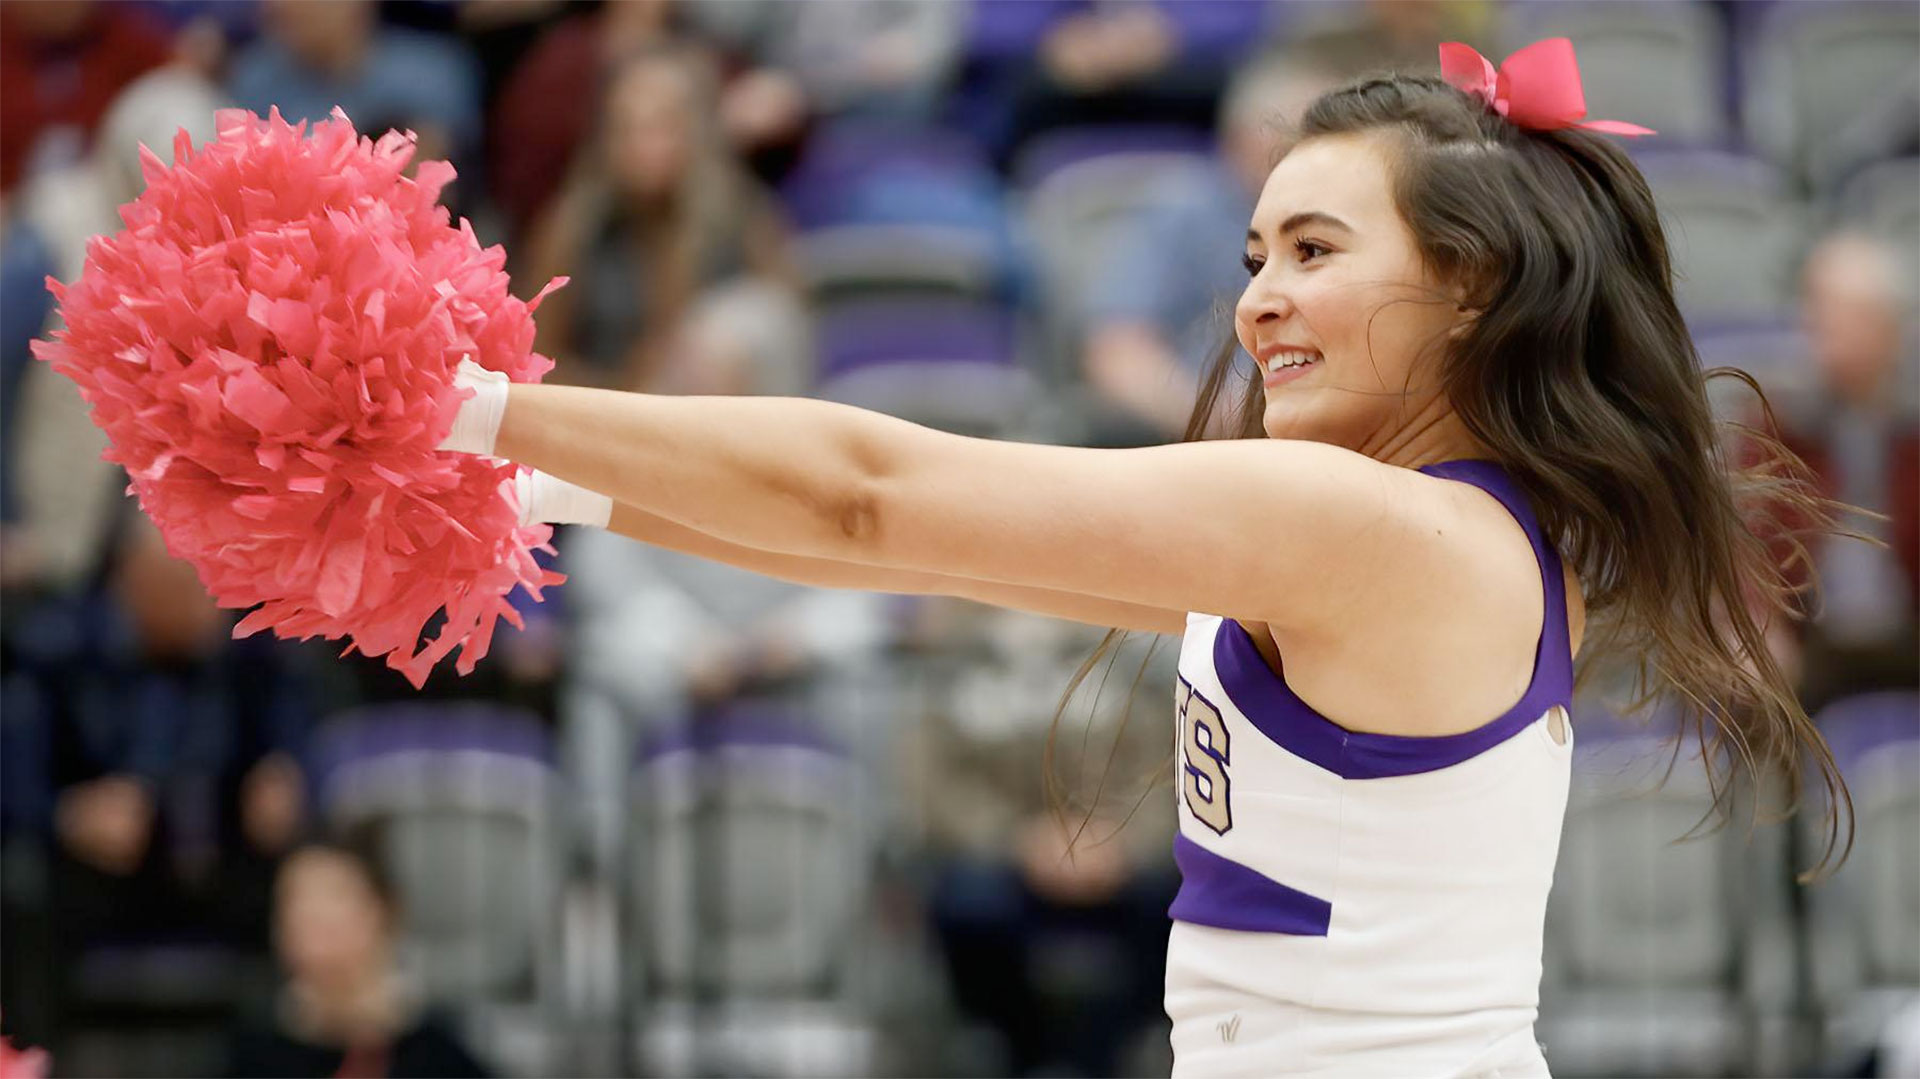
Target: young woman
{"x":655,"y":221}
{"x":1479,"y":417}
{"x":345,"y":1010}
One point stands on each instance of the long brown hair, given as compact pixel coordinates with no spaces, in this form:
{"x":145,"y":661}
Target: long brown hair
{"x":714,"y":206}
{"x":1580,"y":377}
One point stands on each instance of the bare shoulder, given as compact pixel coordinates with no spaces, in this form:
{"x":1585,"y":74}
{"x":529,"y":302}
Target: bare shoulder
{"x":1444,"y":639}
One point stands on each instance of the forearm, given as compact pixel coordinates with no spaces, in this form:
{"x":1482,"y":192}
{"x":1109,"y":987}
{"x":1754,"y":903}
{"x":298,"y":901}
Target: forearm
{"x":638,"y":524}
{"x":657,"y":531}
{"x":789,"y":475}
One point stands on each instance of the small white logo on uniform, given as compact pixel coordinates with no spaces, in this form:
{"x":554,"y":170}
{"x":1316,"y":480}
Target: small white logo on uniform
{"x":1229,"y":1029}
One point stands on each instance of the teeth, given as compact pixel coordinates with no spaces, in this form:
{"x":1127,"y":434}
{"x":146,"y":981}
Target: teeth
{"x":1289,"y":359}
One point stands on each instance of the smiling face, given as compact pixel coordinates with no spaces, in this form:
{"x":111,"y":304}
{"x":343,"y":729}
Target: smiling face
{"x":1347,"y":324}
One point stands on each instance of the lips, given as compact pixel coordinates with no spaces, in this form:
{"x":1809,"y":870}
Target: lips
{"x":1281,"y":363}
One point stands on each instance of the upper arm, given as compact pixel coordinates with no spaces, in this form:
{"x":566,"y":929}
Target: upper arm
{"x":1294,"y":534}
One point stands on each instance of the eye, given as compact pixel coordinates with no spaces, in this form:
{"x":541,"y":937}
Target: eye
{"x":1252,"y":265}
{"x":1308,"y":250}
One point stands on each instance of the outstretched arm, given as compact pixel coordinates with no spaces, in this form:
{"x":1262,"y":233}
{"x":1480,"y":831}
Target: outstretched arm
{"x":1275,"y":531}
{"x":823,"y":573}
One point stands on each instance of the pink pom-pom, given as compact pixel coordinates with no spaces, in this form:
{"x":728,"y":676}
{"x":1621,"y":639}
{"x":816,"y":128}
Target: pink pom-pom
{"x":270,"y":346}
{"x":22,"y":1063}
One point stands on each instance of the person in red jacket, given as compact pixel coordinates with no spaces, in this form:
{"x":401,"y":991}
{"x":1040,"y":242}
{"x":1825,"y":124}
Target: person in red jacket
{"x":1860,"y":434}
{"x":62,"y":62}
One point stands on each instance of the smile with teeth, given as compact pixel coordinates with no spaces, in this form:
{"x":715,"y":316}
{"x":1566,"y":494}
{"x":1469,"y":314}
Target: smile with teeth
{"x":1290,"y":358}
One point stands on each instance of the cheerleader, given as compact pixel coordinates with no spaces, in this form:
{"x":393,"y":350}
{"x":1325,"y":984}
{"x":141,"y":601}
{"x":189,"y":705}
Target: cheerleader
{"x":1478,"y":417}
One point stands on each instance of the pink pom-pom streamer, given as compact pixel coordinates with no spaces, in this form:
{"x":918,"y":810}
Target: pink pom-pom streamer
{"x":269,"y":346}
{"x":22,"y":1063}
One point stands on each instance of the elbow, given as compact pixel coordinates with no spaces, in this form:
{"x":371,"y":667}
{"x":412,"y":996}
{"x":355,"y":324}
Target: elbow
{"x":858,"y":513}
{"x":854,"y":520}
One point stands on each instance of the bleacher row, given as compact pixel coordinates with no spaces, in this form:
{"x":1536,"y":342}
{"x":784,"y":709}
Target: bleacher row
{"x":738,"y":929}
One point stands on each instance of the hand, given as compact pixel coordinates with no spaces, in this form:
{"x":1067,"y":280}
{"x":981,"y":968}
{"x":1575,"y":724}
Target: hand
{"x":271,"y":799}
{"x":106,"y":823}
{"x":477,"y":424}
{"x":715,"y":671}
{"x":1090,"y":875}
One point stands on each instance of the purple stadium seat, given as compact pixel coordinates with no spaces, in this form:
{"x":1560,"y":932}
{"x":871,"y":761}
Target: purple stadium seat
{"x":1735,"y":229}
{"x":944,"y":364}
{"x":863,"y":172}
{"x":366,"y":734}
{"x":867,"y":335}
{"x":1010,"y":31}
{"x":1218,"y":30}
{"x":1823,"y":80}
{"x":744,"y":725}
{"x":1863,"y":940}
{"x":1648,"y":62}
{"x":1857,"y":727}
{"x":1057,"y":150}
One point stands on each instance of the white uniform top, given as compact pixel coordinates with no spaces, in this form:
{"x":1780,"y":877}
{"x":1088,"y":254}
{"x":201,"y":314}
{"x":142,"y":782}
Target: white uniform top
{"x":1362,"y":904}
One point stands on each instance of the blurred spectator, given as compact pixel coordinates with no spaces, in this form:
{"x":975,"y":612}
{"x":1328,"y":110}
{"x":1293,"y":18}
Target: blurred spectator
{"x":24,"y":304}
{"x":663,"y":639}
{"x":345,"y":1009}
{"x":1154,"y":309}
{"x":151,"y":775}
{"x":1031,"y":68}
{"x":317,"y":54}
{"x":205,"y":32}
{"x":851,"y":57}
{"x":1862,"y":437}
{"x":654,"y":216}
{"x":64,"y":493}
{"x":62,"y":62}
{"x":538,"y":125}
{"x":1052,"y":928}
{"x":500,"y":33}
{"x":1352,"y":39}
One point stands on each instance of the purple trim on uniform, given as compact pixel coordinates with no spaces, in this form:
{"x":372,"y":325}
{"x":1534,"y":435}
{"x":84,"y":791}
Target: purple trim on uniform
{"x":1223,"y":893}
{"x":1263,"y":696}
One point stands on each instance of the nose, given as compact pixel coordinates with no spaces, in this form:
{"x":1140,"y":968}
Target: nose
{"x":1263,"y":303}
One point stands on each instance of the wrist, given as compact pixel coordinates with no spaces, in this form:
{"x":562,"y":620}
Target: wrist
{"x":548,"y":499}
{"x":477,"y":425}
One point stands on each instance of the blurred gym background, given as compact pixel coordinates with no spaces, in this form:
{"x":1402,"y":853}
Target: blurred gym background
{"x":693,"y":821}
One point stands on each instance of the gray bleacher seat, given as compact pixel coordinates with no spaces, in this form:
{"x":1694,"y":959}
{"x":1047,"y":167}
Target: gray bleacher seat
{"x":1883,"y":200}
{"x":1864,"y":922}
{"x":1074,"y":212}
{"x":1735,"y":232}
{"x":1777,"y":354}
{"x":864,"y":260}
{"x":1650,"y":62}
{"x":465,"y":800}
{"x":1820,"y":77}
{"x":1662,"y":958}
{"x":747,"y":872}
{"x":943,"y":361}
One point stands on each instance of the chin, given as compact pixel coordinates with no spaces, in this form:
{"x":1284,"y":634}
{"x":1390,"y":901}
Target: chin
{"x":1289,"y":419}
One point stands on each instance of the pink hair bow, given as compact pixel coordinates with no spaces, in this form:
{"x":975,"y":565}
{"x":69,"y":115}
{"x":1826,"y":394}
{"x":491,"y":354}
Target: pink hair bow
{"x":1537,"y":88}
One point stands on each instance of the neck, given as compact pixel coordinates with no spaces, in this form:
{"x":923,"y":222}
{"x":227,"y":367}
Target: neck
{"x":1432,"y":433}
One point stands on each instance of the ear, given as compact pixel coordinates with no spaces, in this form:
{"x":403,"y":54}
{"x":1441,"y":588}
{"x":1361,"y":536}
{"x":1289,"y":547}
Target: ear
{"x":1464,"y":318}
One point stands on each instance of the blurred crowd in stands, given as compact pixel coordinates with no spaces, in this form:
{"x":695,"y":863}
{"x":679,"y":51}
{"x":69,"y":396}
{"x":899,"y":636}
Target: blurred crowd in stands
{"x":695,"y":820}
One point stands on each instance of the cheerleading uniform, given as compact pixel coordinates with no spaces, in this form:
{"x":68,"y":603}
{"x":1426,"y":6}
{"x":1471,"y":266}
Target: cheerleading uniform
{"x":1355,"y":903}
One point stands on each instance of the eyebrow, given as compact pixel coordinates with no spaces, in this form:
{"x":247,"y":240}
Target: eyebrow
{"x":1300,"y":220}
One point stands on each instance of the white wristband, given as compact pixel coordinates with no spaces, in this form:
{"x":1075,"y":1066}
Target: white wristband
{"x":477,"y":424}
{"x":546,"y":499}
